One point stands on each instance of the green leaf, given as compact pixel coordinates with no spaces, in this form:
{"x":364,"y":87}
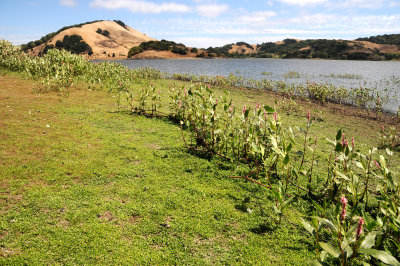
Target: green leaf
{"x":371,"y":225}
{"x":381,"y":255}
{"x":330,"y":249}
{"x":338,"y":135}
{"x":389,"y":152}
{"x":382,"y":161}
{"x":331,"y":141}
{"x":277,"y":211}
{"x":268,"y":109}
{"x":315,"y":263}
{"x":369,"y":240}
{"x":347,"y":151}
{"x":286,"y":159}
{"x":360,"y":165}
{"x":286,"y":203}
{"x":275,"y":194}
{"x":246,"y":113}
{"x":323,"y":255}
{"x":289,"y":147}
{"x":351,"y":230}
{"x":326,"y":222}
{"x":341,"y":175}
{"x":308,"y":227}
{"x":338,"y":147}
{"x":303,"y":172}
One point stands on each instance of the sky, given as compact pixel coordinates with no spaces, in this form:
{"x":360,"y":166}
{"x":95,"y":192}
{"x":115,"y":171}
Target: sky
{"x":204,"y":23}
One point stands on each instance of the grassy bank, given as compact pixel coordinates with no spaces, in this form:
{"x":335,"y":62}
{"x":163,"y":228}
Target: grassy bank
{"x":82,"y":184}
{"x":93,"y":175}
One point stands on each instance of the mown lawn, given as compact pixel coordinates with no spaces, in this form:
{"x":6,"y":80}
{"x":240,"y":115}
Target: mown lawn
{"x":81,"y":183}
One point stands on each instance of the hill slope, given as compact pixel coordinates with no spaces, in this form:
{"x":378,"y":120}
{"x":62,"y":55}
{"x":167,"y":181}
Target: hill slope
{"x":112,"y":38}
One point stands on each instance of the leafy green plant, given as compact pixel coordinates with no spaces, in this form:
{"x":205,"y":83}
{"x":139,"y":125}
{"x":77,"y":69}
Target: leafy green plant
{"x":345,"y":241}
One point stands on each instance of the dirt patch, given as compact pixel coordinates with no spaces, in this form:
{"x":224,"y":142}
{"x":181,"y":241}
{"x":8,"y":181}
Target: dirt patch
{"x":3,"y":234}
{"x":133,"y":219}
{"x":5,"y":252}
{"x":243,"y":49}
{"x":107,"y":216}
{"x":9,"y":200}
{"x":63,"y":224}
{"x":167,"y":222}
{"x":383,"y":48}
{"x":153,"y":146}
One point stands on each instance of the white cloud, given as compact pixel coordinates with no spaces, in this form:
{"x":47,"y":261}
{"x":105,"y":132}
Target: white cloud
{"x":68,"y":3}
{"x":257,"y":17}
{"x":140,"y":6}
{"x":302,"y":2}
{"x":211,"y":10}
{"x":359,"y":3}
{"x":315,"y":19}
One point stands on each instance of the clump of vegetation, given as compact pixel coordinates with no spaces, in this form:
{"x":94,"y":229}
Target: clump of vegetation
{"x":59,"y":69}
{"x":46,"y":38}
{"x":383,"y":39}
{"x":103,"y":32}
{"x":162,"y":45}
{"x":257,"y":138}
{"x":245,"y":44}
{"x":318,"y":48}
{"x":362,"y":97}
{"x":392,"y":56}
{"x":134,"y":51}
{"x":201,"y":55}
{"x":122,"y":24}
{"x":74,"y":44}
{"x":219,"y":51}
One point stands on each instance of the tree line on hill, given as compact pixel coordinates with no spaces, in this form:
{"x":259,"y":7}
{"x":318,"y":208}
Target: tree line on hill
{"x":48,"y":37}
{"x":162,"y":45}
{"x":73,"y":43}
{"x":383,"y":39}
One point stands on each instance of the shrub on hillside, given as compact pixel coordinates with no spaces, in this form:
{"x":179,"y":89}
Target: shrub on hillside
{"x":74,"y":44}
{"x":46,"y":38}
{"x":122,"y":24}
{"x":245,"y":44}
{"x":134,"y":51}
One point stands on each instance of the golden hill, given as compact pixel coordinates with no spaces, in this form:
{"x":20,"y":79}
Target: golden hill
{"x":118,"y":42}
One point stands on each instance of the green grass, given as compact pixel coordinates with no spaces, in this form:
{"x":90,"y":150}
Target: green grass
{"x":83,"y":184}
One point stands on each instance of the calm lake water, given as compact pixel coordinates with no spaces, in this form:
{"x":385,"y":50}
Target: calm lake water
{"x":382,"y":75}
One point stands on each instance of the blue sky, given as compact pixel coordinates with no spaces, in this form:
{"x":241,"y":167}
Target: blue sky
{"x":204,"y":23}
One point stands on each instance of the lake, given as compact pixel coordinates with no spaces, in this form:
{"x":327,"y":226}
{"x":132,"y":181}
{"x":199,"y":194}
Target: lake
{"x":383,"y":75}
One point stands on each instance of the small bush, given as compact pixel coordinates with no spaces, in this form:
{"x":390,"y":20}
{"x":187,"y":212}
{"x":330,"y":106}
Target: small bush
{"x":134,"y":51}
{"x":122,"y":24}
{"x":106,"y":33}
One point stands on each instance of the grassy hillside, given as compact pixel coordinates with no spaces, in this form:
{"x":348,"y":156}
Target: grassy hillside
{"x":97,"y":39}
{"x":109,"y":39}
